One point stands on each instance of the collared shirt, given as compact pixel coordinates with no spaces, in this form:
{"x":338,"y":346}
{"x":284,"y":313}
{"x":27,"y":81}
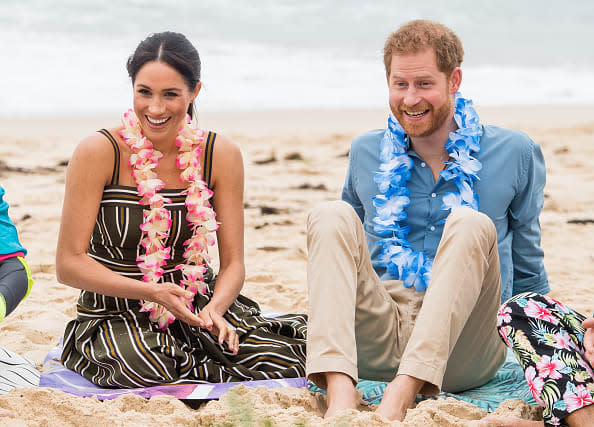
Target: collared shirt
{"x":9,"y":240}
{"x":510,"y":192}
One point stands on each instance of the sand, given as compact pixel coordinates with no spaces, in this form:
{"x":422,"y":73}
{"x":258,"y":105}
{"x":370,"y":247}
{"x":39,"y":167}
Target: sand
{"x":294,"y":160}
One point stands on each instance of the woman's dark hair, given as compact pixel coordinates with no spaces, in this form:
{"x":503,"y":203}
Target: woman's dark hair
{"x":175,"y":50}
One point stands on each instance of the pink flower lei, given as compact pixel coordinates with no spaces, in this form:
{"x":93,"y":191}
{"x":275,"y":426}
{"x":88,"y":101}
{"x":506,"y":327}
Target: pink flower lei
{"x":157,"y":219}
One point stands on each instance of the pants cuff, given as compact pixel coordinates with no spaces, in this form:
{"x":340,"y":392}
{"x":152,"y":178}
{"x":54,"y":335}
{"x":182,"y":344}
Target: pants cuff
{"x":432,"y":376}
{"x":316,"y":367}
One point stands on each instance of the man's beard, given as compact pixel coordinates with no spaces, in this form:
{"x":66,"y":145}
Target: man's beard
{"x":424,"y":128}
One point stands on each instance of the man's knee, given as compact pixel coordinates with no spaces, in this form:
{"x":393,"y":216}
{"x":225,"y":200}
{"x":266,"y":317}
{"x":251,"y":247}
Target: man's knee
{"x":471,"y":221}
{"x":333,"y":215}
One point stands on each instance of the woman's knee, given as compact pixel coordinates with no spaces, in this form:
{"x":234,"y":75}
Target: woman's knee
{"x":14,"y":283}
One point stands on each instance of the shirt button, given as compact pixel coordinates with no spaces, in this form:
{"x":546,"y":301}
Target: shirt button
{"x":432,"y":228}
{"x":433,"y":194}
{"x":423,"y":164}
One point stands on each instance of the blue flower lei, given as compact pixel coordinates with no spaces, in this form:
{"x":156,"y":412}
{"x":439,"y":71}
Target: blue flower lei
{"x":414,"y":267}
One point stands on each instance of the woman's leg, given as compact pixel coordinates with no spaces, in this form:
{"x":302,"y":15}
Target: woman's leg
{"x":14,"y":285}
{"x":547,"y":339}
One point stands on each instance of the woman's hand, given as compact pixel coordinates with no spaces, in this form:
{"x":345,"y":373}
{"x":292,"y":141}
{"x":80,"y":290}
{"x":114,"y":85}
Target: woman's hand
{"x":174,"y":298}
{"x":588,"y":324}
{"x":219,"y":327}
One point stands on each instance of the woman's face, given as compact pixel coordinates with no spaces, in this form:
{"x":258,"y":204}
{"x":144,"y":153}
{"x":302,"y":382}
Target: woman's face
{"x":161,"y":99}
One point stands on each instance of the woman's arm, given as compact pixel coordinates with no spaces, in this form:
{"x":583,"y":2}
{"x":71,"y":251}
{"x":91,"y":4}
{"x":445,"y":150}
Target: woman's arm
{"x":89,"y":170}
{"x":228,"y":204}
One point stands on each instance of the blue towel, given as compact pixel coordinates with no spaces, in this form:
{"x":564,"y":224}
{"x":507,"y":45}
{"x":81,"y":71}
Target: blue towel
{"x":508,"y":383}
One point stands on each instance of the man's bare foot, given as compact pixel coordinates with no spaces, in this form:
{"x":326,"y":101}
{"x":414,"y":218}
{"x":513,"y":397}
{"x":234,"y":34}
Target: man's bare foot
{"x":399,"y":396}
{"x":497,"y":421}
{"x":341,"y":393}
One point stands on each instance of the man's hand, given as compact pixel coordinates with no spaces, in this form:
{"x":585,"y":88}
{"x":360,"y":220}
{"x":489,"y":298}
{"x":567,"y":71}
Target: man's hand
{"x":588,"y":324}
{"x":219,"y":327}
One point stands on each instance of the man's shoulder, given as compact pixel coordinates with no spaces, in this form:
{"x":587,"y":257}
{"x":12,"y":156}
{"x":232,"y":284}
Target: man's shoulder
{"x":511,"y":138}
{"x":368,"y":140}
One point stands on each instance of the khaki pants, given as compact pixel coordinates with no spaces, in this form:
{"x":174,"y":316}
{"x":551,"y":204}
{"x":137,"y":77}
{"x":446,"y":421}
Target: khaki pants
{"x":373,"y":329}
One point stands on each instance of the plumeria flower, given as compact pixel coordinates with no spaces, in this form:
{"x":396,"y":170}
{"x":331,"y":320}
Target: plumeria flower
{"x":157,"y":220}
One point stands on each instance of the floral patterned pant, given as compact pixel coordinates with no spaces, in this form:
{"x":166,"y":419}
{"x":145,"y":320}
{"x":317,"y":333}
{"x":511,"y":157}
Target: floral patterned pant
{"x":547,"y":339}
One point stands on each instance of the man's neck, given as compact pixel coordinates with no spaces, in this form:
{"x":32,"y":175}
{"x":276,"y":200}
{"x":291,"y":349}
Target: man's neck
{"x":431,"y":148}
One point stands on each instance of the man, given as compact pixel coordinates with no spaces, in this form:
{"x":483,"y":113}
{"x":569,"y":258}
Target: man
{"x":406,"y":277}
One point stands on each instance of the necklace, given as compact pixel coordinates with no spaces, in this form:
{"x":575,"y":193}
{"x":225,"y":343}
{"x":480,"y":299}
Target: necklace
{"x":157,"y":219}
{"x":414,"y":267}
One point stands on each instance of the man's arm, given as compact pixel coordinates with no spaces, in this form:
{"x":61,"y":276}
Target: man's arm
{"x":349,"y":193}
{"x":527,"y":255}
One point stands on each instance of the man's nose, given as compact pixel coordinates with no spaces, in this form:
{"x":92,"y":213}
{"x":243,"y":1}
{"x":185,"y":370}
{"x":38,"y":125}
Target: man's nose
{"x":412,"y":96}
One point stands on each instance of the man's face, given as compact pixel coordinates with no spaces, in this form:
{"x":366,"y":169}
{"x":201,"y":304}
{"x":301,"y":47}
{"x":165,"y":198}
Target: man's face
{"x":421,"y":96}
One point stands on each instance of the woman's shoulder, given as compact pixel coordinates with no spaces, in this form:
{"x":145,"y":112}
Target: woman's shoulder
{"x":226,"y":158}
{"x":96,"y":153}
{"x":221,"y":142}
{"x":100,"y":143}
{"x":224,"y":149}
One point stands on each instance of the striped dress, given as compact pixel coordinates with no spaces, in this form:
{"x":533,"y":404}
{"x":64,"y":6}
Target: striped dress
{"x":113,"y":344}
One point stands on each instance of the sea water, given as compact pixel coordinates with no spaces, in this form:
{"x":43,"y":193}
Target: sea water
{"x":65,"y":57}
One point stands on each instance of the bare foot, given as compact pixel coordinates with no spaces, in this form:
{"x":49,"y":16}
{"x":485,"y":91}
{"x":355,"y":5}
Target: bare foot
{"x":341,"y":393}
{"x":495,"y":421}
{"x":399,"y":397}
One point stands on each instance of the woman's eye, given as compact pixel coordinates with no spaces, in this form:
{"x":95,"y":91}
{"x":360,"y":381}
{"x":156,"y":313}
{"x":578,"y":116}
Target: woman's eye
{"x":171,"y":94}
{"x":143,"y":91}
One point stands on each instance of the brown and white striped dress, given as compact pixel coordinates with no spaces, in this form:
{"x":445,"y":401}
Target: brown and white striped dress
{"x":113,"y":344}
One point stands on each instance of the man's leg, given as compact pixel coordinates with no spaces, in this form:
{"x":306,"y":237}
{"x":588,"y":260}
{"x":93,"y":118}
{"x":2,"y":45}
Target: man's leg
{"x":454,"y":341}
{"x":352,"y":318}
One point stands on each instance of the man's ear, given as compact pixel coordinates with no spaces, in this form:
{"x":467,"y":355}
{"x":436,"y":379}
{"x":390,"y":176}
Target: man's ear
{"x":455,"y":80}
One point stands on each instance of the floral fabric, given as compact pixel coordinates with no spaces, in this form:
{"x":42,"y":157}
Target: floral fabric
{"x":546,"y":337}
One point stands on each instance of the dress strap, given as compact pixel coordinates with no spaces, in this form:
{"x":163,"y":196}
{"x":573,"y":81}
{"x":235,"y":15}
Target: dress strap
{"x":115,"y":176}
{"x":208,"y":149}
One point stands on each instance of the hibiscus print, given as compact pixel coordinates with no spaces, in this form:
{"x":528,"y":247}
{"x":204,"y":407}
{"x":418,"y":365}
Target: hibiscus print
{"x":547,"y":339}
{"x":503,"y":315}
{"x":538,"y":310}
{"x":577,"y":397}
{"x":550,"y":368}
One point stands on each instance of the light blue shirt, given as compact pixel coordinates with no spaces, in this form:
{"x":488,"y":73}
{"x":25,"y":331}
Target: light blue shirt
{"x":510,"y":192}
{"x":9,"y":240}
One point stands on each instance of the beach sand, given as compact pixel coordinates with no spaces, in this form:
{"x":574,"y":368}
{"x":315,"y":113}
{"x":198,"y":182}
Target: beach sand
{"x":294,"y":160}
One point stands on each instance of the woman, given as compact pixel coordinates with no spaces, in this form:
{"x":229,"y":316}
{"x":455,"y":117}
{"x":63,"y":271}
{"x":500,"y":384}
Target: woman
{"x":135,"y":226}
{"x":555,"y":346}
